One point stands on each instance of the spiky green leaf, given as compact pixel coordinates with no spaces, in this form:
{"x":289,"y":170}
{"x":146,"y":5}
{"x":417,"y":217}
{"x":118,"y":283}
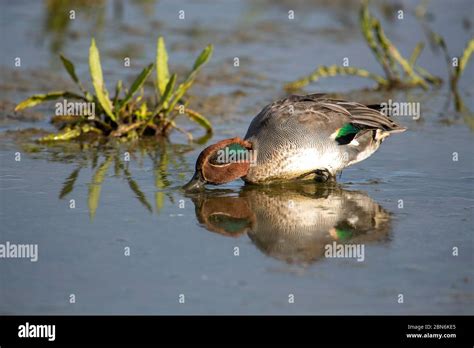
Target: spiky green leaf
{"x":69,"y":66}
{"x":465,"y":57}
{"x":41,"y":98}
{"x":416,"y":53}
{"x":139,"y":81}
{"x":334,"y":70}
{"x":118,"y":90}
{"x":98,"y":80}
{"x":203,"y":57}
{"x":188,"y":82}
{"x":168,"y":91}
{"x":179,"y":93}
{"x":68,"y":134}
{"x":162,"y":72}
{"x":199,"y":119}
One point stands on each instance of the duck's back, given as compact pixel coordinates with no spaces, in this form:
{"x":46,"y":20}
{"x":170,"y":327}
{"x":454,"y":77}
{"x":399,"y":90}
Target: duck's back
{"x":296,"y":135}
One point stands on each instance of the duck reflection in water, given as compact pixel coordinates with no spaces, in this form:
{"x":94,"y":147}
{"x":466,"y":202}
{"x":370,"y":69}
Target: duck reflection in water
{"x":294,"y":222}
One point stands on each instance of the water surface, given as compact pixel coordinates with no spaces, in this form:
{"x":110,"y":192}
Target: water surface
{"x":186,"y":244}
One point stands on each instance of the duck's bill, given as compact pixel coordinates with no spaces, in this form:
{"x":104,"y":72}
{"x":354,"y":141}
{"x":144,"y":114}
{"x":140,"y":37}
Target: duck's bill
{"x":195,"y":184}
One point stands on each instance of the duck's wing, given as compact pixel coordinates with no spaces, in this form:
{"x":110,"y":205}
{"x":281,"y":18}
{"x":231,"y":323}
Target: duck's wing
{"x":295,"y":111}
{"x":317,"y":112}
{"x":370,"y":117}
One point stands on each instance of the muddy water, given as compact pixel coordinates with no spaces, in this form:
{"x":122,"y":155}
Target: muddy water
{"x":134,"y":243}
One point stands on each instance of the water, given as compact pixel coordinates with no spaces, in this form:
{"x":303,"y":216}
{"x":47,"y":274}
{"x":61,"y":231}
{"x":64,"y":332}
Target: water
{"x":410,"y":204}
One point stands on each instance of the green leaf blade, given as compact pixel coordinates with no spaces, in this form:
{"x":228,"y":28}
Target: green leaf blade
{"x":69,"y":66}
{"x":199,"y":119}
{"x":118,"y":90}
{"x":179,"y":93}
{"x":465,"y":57}
{"x":183,"y":87}
{"x":42,"y":98}
{"x":98,"y":80}
{"x":168,"y":91}
{"x":137,"y":84}
{"x":64,"y":135}
{"x":162,"y":72}
{"x":203,"y":58}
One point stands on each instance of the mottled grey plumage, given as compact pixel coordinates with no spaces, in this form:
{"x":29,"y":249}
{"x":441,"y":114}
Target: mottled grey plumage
{"x":296,"y":137}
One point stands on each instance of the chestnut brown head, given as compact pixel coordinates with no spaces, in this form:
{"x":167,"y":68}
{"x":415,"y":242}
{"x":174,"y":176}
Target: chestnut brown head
{"x":220,"y":163}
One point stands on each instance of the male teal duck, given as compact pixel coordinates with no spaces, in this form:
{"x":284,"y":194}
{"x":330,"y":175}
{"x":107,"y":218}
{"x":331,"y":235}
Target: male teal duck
{"x":298,"y":137}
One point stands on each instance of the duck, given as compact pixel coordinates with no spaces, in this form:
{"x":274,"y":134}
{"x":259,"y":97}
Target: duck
{"x":300,"y":137}
{"x":299,"y":232}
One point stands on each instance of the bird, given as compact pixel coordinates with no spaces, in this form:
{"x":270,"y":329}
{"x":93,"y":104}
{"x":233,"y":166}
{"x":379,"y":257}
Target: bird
{"x":300,"y":137}
{"x":297,"y":232}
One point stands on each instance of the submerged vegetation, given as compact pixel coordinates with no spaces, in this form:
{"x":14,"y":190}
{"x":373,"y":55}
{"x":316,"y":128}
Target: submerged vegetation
{"x":455,"y":66}
{"x":98,"y":163}
{"x":400,"y":72}
{"x":129,"y":113}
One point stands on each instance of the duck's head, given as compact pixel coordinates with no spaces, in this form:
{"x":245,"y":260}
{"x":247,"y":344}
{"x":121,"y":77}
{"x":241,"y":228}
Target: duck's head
{"x":225,"y":161}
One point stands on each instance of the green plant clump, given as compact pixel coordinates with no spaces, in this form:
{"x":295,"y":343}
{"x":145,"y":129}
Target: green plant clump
{"x":455,"y":71}
{"x":128,"y":114}
{"x":399,"y":71}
